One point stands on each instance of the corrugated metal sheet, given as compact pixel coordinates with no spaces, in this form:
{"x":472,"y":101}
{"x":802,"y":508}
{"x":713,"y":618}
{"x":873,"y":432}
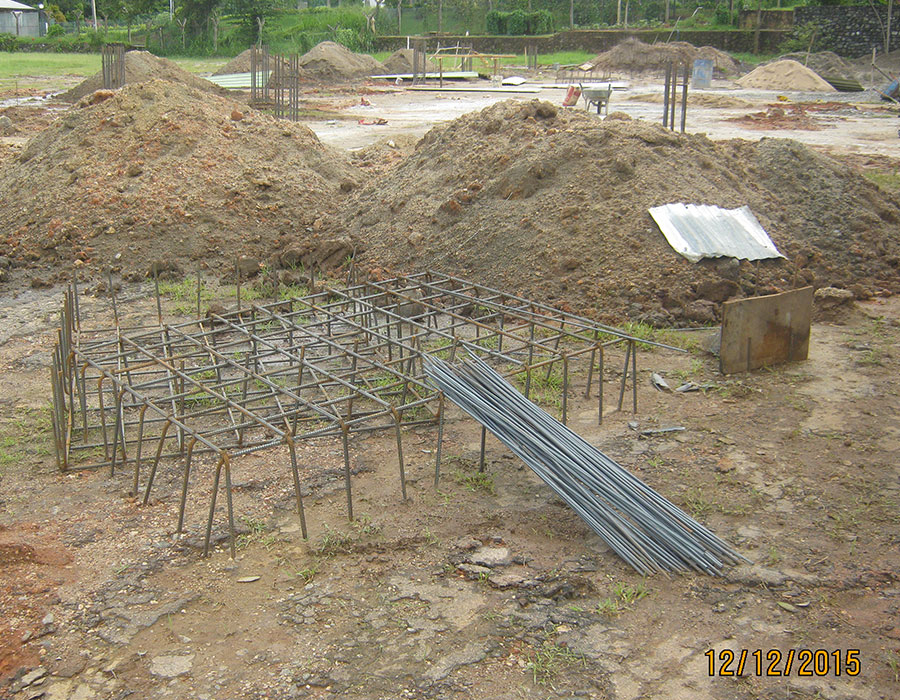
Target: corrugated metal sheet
{"x":238,"y":81}
{"x":699,"y":231}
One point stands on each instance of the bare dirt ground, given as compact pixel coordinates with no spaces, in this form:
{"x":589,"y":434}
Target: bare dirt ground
{"x":486,"y":586}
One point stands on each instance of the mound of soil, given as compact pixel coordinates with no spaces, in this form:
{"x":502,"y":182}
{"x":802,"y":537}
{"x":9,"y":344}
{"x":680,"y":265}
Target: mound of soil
{"x":784,"y":74}
{"x":825,"y":63}
{"x":160,"y":171}
{"x":141,"y":66}
{"x":553,"y":205}
{"x":789,"y":116}
{"x":401,"y":62}
{"x":634,"y":56}
{"x":241,"y":64}
{"x":331,"y":62}
{"x":889,"y":62}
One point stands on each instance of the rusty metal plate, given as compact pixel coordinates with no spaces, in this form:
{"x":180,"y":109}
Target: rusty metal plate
{"x":765,"y":331}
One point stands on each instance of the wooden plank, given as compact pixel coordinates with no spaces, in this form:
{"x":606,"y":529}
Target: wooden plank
{"x":765,"y":331}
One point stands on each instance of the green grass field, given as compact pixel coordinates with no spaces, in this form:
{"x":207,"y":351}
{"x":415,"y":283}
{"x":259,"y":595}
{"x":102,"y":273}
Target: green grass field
{"x":23,"y":65}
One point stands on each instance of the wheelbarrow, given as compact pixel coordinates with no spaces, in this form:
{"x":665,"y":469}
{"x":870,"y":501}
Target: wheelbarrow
{"x":596,"y":95}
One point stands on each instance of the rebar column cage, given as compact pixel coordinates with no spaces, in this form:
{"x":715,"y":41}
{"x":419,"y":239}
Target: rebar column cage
{"x":338,"y":362}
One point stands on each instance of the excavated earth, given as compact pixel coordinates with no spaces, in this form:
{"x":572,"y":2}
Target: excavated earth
{"x":633,"y":57}
{"x":161,"y":172}
{"x":553,"y":205}
{"x":141,"y":66}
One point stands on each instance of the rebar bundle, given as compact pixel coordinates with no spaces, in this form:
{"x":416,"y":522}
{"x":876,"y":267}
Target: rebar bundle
{"x":646,"y":530}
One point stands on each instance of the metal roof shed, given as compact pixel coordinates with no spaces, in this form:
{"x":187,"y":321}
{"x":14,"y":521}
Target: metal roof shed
{"x":19,"y":19}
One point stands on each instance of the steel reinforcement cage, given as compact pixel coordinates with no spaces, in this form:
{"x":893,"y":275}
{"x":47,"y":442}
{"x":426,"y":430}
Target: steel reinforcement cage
{"x":333,"y":363}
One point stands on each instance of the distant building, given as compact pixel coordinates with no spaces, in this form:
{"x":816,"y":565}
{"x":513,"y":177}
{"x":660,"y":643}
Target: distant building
{"x":19,"y":19}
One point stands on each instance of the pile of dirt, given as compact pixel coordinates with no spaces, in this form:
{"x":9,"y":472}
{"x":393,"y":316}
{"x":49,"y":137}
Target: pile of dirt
{"x":141,"y":66}
{"x":401,"y":61}
{"x":633,"y":56}
{"x":784,"y":74}
{"x":330,"y":62}
{"x":825,"y":63}
{"x":889,"y":62}
{"x":241,"y":64}
{"x":788,"y":116}
{"x":553,"y":205}
{"x":159,"y":171}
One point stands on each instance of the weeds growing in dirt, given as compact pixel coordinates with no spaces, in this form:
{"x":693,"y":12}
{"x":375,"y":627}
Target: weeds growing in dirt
{"x":630,"y":594}
{"x":26,"y":434}
{"x":475,"y":481}
{"x":308,"y":573}
{"x":608,"y":607}
{"x":184,"y":295}
{"x":697,"y":503}
{"x":892,"y":659}
{"x":546,"y":662}
{"x":334,"y":542}
{"x":623,"y":596}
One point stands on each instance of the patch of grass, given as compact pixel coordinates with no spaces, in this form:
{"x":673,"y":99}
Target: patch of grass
{"x":697,"y":504}
{"x":308,"y":573}
{"x":545,"y":663}
{"x":563,"y":58}
{"x":475,"y":481}
{"x":27,"y":434}
{"x":200,"y":65}
{"x":430,"y":538}
{"x":184,"y":295}
{"x":334,"y":542}
{"x":887,"y":180}
{"x":257,"y":528}
{"x":608,"y":607}
{"x":292,"y":291}
{"x":24,"y":64}
{"x":753,"y":58}
{"x":629,"y":595}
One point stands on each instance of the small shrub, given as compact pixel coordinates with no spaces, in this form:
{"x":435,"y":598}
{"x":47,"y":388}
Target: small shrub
{"x":8,"y":42}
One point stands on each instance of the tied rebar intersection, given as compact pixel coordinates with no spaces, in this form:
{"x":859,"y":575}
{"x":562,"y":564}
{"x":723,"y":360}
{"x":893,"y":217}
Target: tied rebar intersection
{"x":335,"y":363}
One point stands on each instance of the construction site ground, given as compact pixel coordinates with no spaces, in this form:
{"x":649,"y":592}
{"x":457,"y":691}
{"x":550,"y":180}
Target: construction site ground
{"x":487,"y":586}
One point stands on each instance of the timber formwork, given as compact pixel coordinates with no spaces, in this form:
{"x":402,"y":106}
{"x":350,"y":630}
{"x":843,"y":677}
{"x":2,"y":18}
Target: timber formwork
{"x":334,"y":363}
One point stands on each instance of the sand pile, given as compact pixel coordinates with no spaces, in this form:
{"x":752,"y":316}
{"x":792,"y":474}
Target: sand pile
{"x":553,"y":205}
{"x":784,"y":74}
{"x":401,"y":62}
{"x":160,"y":171}
{"x":634,"y":56}
{"x":141,"y":66}
{"x":331,"y":62}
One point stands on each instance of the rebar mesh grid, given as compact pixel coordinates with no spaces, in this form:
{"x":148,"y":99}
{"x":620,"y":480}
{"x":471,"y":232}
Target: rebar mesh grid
{"x":336,"y":362}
